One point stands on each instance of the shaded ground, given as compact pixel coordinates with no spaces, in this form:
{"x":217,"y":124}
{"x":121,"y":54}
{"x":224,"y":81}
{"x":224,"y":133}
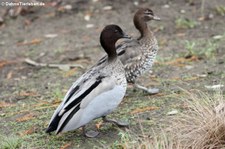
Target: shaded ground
{"x":191,"y":36}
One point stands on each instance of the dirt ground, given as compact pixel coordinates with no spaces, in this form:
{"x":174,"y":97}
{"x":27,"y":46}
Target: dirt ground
{"x":191,"y":36}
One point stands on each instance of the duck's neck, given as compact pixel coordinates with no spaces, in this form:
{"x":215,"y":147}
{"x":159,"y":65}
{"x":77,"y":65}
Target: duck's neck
{"x":142,"y":26}
{"x":110,"y":49}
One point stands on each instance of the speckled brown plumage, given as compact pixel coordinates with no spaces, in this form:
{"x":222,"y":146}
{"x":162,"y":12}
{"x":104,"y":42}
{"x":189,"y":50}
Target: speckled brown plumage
{"x":138,"y":55}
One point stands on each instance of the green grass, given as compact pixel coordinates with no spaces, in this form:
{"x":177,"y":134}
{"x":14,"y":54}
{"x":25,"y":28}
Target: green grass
{"x":185,"y":23}
{"x":10,"y":142}
{"x":220,"y":10}
{"x":195,"y":49}
{"x":201,"y":48}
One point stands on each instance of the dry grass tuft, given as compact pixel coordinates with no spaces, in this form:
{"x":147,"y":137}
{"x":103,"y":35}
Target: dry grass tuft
{"x":200,"y":126}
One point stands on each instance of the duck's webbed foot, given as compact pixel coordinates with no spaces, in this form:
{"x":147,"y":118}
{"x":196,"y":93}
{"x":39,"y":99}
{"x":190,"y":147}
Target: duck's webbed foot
{"x":115,"y":122}
{"x":150,"y":91}
{"x":90,"y":133}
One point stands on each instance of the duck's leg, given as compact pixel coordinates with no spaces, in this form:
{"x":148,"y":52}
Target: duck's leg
{"x":115,"y":122}
{"x":151,"y":91}
{"x":90,"y":134}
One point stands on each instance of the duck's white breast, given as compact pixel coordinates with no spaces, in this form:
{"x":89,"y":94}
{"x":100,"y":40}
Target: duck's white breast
{"x":100,"y":105}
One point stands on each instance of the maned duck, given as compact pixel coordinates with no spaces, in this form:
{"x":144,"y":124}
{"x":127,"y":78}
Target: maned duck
{"x":96,"y":93}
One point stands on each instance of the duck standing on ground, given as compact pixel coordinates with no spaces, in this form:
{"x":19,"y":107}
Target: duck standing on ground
{"x":96,"y":93}
{"x":138,"y":55}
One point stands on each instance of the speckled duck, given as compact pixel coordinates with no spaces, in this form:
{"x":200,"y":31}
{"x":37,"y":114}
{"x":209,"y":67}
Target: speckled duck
{"x":138,"y":55}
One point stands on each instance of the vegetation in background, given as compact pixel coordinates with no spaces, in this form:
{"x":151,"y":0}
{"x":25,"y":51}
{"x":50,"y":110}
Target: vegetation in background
{"x":185,"y":23}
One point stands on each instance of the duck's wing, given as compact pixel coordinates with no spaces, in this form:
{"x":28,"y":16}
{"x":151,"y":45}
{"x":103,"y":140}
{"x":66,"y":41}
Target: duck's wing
{"x":81,"y":93}
{"x":128,"y":50}
{"x":100,"y":99}
{"x":74,"y":95}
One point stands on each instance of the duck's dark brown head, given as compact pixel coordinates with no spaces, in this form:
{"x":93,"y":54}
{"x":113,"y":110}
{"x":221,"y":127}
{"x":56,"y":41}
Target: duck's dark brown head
{"x":108,"y":38}
{"x":142,"y":16}
{"x":145,"y":14}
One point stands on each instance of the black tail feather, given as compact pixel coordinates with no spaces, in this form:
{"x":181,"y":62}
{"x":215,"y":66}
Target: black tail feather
{"x":54,"y":124}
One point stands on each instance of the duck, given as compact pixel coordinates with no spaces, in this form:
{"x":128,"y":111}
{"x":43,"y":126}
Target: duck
{"x":95,"y":94}
{"x":138,"y":55}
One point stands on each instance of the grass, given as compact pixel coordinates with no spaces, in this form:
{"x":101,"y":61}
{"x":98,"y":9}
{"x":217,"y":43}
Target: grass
{"x":185,"y":23}
{"x":201,"y":125}
{"x":201,"y":48}
{"x":10,"y":142}
{"x":220,"y":10}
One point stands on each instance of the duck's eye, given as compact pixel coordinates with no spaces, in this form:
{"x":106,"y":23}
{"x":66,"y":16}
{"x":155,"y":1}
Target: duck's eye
{"x":116,"y":31}
{"x":148,"y":12}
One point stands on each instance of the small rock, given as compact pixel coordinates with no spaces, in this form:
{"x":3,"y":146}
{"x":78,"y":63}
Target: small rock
{"x":182,"y":11}
{"x":217,"y":37}
{"x":173,"y":112}
{"x":51,"y":35}
{"x":23,"y":77}
{"x":107,"y":8}
{"x":210,"y":16}
{"x":214,"y":87}
{"x":42,"y":54}
{"x":166,"y":6}
{"x":90,"y":25}
{"x":87,"y":17}
{"x":201,"y":75}
{"x":68,"y":7}
{"x":189,"y":67}
{"x":136,"y":3}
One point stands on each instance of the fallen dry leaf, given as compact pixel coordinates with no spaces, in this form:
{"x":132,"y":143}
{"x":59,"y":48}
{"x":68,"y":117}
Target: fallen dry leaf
{"x":9,"y":75}
{"x":98,"y":125}
{"x":139,"y":110}
{"x":159,"y":94}
{"x":70,"y":72}
{"x":28,"y":132}
{"x":34,"y":41}
{"x":180,"y":61}
{"x":5,"y":104}
{"x":25,"y":117}
{"x":191,"y":78}
{"x":180,"y":34}
{"x":56,"y":101}
{"x":27,"y":93}
{"x":65,"y":146}
{"x":5,"y":62}
{"x":27,"y":22}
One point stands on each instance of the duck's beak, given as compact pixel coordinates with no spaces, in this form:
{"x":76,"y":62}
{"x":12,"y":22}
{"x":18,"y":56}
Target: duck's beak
{"x":126,"y":36}
{"x":156,"y":18}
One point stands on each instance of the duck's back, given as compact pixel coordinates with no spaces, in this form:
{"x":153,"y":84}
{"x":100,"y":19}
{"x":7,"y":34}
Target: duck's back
{"x":137,"y":56}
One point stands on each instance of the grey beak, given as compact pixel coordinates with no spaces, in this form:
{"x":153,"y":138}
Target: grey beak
{"x":156,"y":18}
{"x":126,"y":36}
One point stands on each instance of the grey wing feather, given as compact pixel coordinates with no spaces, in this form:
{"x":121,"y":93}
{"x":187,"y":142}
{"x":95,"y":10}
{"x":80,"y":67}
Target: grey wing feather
{"x":128,"y":51}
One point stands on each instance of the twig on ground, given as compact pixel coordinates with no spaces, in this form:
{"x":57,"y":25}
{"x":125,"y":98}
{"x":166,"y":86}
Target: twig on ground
{"x":64,"y":67}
